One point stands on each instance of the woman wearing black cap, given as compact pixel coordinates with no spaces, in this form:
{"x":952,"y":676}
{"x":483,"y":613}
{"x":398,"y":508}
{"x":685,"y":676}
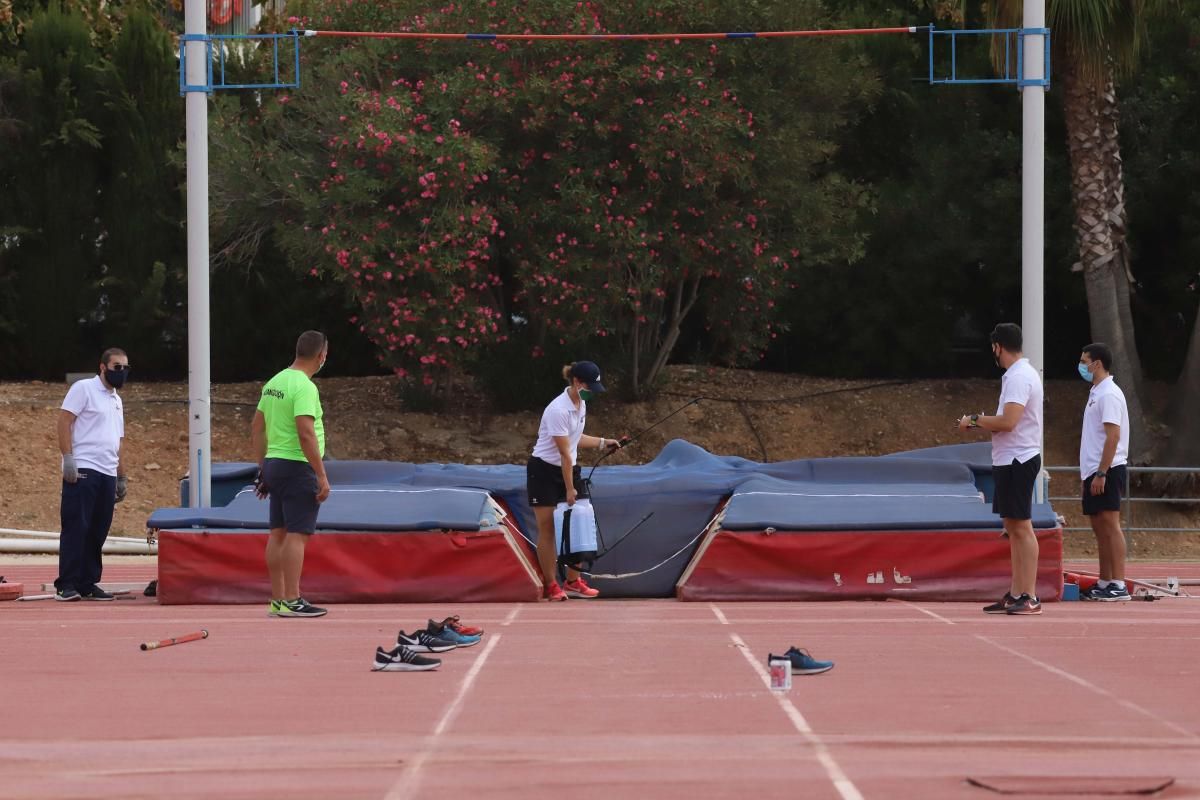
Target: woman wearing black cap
{"x":554,"y":477}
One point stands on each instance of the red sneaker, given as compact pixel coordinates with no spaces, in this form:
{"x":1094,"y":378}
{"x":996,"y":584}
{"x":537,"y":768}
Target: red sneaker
{"x":466,"y":630}
{"x":580,"y":590}
{"x":554,"y":593}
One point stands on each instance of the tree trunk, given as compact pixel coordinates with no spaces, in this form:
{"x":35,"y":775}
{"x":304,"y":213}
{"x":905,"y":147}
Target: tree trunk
{"x":679,"y":310}
{"x":1097,"y":203}
{"x":1118,"y":219}
{"x":1184,"y":447}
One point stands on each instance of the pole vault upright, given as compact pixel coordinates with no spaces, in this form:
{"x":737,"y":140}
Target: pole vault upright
{"x":1033,"y":197}
{"x":196,"y":64}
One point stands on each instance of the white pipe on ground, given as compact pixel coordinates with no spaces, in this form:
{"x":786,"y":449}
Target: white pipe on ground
{"x":17,"y":533}
{"x":50,"y":546}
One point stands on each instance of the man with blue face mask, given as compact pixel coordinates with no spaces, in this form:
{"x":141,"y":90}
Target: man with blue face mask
{"x":91,"y":426}
{"x":1103,"y":454}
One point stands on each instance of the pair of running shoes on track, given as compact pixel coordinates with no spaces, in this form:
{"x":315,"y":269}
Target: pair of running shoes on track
{"x":577,"y":589}
{"x":438,"y":637}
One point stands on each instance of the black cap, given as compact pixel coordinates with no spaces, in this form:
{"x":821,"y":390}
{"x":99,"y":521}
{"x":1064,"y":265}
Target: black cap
{"x":589,"y":373}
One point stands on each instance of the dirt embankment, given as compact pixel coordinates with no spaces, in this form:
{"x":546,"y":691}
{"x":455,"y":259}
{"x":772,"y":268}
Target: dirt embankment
{"x":760,"y":416}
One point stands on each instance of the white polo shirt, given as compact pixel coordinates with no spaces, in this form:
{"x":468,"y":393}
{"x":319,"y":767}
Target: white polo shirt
{"x":99,"y":425}
{"x":1020,"y":384}
{"x":561,"y":418}
{"x":1106,"y":404}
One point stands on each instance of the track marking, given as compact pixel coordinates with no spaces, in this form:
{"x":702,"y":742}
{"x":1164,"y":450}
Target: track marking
{"x":408,"y":783}
{"x":933,"y":614}
{"x":512,"y":616}
{"x":1086,"y":684}
{"x":720,"y":615}
{"x":845,"y":787}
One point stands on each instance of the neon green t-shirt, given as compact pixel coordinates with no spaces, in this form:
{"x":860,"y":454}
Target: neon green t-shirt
{"x":288,"y":395}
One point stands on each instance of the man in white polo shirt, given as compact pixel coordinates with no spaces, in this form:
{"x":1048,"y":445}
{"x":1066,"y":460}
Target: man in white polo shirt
{"x":1103,"y":454}
{"x":91,"y":426}
{"x":1016,"y":432}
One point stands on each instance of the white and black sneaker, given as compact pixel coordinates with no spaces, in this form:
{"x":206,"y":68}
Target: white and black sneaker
{"x":424,"y":642}
{"x":402,"y":659}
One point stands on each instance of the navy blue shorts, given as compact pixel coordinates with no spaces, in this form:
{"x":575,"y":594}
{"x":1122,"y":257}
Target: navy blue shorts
{"x":1013,"y":498}
{"x":1110,"y":498}
{"x":545,"y":484}
{"x":293,"y":494}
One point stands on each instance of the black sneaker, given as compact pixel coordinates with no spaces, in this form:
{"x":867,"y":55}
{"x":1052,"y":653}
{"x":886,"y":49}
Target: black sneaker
{"x":97,"y":594}
{"x":1025,"y":605}
{"x":424,"y":642}
{"x":402,"y":659}
{"x":299,"y":608}
{"x":1002,"y":607}
{"x":67,"y":595}
{"x":1109,"y":594}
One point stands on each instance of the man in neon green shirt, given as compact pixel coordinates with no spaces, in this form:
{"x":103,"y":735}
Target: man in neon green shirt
{"x":288,"y":438}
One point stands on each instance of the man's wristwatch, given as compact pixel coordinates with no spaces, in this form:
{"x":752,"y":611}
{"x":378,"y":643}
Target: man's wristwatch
{"x":974,"y":420}
{"x":1101,"y":473}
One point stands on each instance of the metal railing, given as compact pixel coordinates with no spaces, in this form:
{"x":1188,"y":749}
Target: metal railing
{"x":1130,"y":503}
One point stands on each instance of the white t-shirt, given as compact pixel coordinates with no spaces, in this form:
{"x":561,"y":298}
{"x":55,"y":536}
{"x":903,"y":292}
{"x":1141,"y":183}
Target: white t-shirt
{"x":99,"y":425}
{"x":1020,"y":384}
{"x":1106,"y":404}
{"x":561,"y":418}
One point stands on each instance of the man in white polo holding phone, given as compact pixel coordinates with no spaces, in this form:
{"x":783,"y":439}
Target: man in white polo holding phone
{"x":1016,"y":430}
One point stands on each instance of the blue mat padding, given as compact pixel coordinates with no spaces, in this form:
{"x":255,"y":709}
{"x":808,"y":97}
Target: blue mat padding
{"x":936,"y":489}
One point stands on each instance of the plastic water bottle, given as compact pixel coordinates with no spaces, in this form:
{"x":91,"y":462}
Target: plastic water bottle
{"x":780,"y":670}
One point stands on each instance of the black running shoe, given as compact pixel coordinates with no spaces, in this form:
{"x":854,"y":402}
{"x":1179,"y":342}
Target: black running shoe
{"x":97,"y":594}
{"x":299,"y":608}
{"x":1002,"y":607}
{"x":1025,"y":605}
{"x":402,"y":659}
{"x":67,"y":595}
{"x":424,"y":642}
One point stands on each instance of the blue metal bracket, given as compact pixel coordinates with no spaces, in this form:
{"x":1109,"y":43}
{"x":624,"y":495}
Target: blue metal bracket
{"x":215,"y":57}
{"x":1014,"y":73}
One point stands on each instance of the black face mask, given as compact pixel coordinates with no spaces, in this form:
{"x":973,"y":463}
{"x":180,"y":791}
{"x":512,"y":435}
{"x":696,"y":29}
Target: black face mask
{"x":116,"y":379}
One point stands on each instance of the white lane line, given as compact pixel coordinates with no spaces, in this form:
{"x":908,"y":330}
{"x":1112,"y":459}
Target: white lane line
{"x":1086,"y":684}
{"x":409,"y":782}
{"x":933,"y":614}
{"x":512,"y":616}
{"x":719,"y":613}
{"x":845,"y":787}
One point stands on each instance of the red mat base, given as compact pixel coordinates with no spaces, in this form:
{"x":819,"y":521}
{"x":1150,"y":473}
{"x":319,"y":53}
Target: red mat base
{"x":347,"y":567}
{"x":1066,"y":785}
{"x":850,"y":565}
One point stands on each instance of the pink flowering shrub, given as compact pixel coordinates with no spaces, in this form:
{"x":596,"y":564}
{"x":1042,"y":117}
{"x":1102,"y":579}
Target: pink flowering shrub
{"x":596,"y":197}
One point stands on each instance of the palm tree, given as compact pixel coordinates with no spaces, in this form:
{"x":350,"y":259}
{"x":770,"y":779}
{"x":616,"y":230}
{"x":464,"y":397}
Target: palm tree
{"x":1094,"y":42}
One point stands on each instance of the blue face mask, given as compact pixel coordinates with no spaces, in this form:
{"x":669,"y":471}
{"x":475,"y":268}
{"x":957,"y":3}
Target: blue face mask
{"x":1085,"y":373}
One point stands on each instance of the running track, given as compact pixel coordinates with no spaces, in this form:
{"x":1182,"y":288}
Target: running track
{"x":625,"y":699}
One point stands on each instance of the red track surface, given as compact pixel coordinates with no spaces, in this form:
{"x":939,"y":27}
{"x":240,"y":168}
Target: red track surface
{"x":631,"y":699}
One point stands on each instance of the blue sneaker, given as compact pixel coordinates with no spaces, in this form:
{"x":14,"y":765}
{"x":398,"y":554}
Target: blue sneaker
{"x":804,"y":664}
{"x":450,"y":635}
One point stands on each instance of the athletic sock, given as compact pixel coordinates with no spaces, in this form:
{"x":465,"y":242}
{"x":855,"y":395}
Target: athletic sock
{"x":1103,"y":584}
{"x":1118,"y":584}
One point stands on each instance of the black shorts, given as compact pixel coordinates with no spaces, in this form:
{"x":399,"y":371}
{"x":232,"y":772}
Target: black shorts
{"x":1110,"y":500}
{"x":1013,"y":498}
{"x":545,"y":484}
{"x":293,"y":494}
